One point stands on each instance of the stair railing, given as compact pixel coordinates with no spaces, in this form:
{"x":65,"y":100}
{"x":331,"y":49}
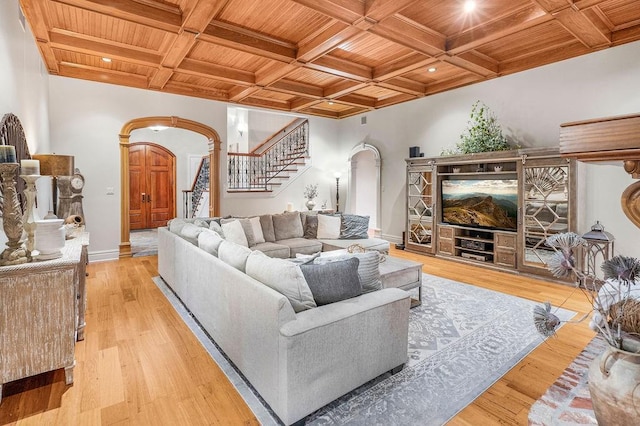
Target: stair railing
{"x":193,"y":197}
{"x":251,"y":172}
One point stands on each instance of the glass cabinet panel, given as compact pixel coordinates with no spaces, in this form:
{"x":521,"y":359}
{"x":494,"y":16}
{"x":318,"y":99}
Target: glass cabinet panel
{"x":420,"y":205}
{"x":545,"y":209}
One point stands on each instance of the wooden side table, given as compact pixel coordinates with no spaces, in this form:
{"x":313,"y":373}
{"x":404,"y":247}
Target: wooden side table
{"x":42,"y":312}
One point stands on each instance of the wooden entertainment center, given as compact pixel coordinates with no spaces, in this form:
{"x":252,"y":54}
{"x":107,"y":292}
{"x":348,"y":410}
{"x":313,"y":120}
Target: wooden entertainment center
{"x":525,"y":195}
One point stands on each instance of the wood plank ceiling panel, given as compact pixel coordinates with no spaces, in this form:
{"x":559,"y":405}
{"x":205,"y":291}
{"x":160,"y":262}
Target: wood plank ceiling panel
{"x":299,"y":55}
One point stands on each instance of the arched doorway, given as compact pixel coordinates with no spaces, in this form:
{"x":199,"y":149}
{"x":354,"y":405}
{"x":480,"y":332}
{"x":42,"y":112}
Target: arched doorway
{"x":213,"y":140}
{"x":364,"y":183}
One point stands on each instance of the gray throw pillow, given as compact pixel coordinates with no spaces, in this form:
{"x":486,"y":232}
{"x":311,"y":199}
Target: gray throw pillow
{"x":334,"y":281}
{"x":190,"y":232}
{"x":311,"y":227}
{"x":287,"y":225}
{"x":247,"y":228}
{"x":368,"y":269}
{"x":354,"y":227}
{"x":267,"y":228}
{"x":234,"y":255}
{"x":210,"y":241}
{"x":214,"y":225}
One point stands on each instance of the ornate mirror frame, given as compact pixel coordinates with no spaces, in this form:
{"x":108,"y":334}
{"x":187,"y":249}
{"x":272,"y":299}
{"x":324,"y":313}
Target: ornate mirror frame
{"x":12,"y":133}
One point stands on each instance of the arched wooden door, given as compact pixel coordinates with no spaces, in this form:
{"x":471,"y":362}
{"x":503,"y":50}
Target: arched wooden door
{"x":152,"y":188}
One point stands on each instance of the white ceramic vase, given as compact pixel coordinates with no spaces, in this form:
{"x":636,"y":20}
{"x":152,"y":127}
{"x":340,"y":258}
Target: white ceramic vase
{"x":50,"y":236}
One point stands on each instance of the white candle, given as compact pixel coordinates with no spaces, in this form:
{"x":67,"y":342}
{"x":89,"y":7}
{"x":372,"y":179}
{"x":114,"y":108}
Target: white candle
{"x":7,"y":154}
{"x":289,"y":207}
{"x":29,"y":167}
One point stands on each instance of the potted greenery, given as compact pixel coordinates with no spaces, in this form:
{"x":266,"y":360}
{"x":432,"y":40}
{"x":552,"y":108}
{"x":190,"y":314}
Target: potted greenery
{"x":310,"y":192}
{"x":615,"y":374}
{"x":483,"y":134}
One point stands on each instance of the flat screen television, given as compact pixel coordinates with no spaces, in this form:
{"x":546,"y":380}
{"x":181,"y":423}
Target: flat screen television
{"x":480,"y":203}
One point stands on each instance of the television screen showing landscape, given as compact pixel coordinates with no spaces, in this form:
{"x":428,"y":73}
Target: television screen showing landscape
{"x":487,"y":203}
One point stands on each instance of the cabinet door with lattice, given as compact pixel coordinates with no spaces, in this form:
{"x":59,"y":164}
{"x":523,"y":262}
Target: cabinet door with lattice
{"x":420,"y":208}
{"x":547,"y":204}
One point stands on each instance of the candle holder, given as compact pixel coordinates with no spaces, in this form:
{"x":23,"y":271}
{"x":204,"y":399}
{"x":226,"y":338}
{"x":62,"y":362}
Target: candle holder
{"x":29,"y":218}
{"x":15,"y":253}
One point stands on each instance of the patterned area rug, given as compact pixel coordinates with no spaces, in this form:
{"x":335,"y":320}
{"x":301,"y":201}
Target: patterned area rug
{"x":462,"y":339}
{"x":144,"y":242}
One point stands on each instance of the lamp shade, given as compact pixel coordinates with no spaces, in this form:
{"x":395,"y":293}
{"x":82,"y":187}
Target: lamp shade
{"x":54,"y":164}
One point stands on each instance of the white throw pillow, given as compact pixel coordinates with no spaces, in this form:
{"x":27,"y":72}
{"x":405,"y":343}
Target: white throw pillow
{"x":328,"y":227}
{"x":234,"y":255}
{"x":210,"y":241}
{"x":282,"y":276}
{"x":234,"y":232}
{"x":257,"y":230}
{"x":190,"y":232}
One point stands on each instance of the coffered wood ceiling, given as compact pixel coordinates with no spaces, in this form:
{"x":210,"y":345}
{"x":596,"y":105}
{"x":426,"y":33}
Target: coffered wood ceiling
{"x":332,"y":58}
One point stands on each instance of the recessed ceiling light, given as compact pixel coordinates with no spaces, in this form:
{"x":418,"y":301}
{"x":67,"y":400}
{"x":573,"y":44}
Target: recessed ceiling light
{"x":330,"y":102}
{"x":469,"y":6}
{"x":432,"y":69}
{"x":106,"y":59}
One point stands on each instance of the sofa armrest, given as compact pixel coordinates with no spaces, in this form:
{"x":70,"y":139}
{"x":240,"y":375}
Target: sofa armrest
{"x":334,"y":312}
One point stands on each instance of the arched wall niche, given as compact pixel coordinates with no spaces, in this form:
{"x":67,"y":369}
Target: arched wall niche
{"x":364,"y":146}
{"x":213,"y":141}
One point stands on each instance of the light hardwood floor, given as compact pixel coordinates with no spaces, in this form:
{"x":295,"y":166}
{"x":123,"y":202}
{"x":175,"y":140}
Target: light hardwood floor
{"x":140,"y":365}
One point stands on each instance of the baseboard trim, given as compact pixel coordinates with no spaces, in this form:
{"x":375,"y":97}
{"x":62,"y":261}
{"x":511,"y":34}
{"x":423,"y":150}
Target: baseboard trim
{"x":392,"y":238}
{"x":104,"y":255}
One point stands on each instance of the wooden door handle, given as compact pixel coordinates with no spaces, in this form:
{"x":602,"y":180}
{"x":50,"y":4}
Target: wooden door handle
{"x":143,"y":197}
{"x":148,"y":198}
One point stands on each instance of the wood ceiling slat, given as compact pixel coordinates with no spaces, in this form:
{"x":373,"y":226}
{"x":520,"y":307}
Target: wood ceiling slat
{"x":297,"y":54}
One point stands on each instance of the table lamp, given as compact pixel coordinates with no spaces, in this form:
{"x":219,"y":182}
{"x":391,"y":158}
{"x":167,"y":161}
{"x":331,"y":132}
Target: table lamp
{"x":55,"y":165}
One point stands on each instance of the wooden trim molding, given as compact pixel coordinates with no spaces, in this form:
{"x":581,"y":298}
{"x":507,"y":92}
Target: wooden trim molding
{"x":214,"y":145}
{"x":607,"y":139}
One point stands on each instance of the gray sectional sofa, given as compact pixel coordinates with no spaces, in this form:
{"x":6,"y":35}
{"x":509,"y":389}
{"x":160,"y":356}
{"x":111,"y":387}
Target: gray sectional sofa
{"x":297,"y":356}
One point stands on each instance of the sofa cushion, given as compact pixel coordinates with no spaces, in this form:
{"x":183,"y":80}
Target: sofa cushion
{"x":210,"y":241}
{"x":328,"y":226}
{"x":176,"y":225}
{"x":368,"y":268}
{"x":267,"y":228}
{"x":333,"y":281}
{"x":234,"y":255}
{"x":282,"y":276}
{"x":256,"y":227}
{"x":273,"y":249}
{"x":247,"y":228}
{"x":354,"y":226}
{"x":214,"y":225}
{"x":287,"y":225}
{"x":301,"y":246}
{"x":311,"y":227}
{"x":234,"y":232}
{"x":190,"y":232}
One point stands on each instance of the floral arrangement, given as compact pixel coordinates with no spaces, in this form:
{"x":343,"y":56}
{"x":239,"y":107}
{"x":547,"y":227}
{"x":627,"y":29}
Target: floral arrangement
{"x":311,"y":191}
{"x":484,"y":133}
{"x":616,"y":302}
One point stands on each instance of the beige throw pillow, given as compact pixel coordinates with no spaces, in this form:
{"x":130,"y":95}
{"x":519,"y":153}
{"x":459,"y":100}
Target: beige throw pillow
{"x":328,"y":227}
{"x":210,"y":241}
{"x":282,"y":276}
{"x":234,"y":255}
{"x":258,"y":236}
{"x":234,"y":232}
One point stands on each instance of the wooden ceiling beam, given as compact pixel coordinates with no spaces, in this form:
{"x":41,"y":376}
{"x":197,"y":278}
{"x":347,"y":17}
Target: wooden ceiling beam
{"x":347,"y":11}
{"x":35,"y":12}
{"x":584,"y":29}
{"x":267,"y":103}
{"x":321,"y":112}
{"x":626,"y":35}
{"x":160,"y":78}
{"x":166,"y":17}
{"x":326,"y":40}
{"x":274,"y":72}
{"x":404,"y":85}
{"x":239,"y":93}
{"x":517,"y":21}
{"x":392,"y":100}
{"x":473,"y":62}
{"x":547,"y":56}
{"x":351,"y":111}
{"x":343,"y":88}
{"x":102,"y":75}
{"x":402,"y":66}
{"x":452,"y":83}
{"x":218,"y":72}
{"x":381,"y":9}
{"x":81,"y":43}
{"x":247,"y":41}
{"x":410,"y":34}
{"x":297,"y":88}
{"x":357,"y":100}
{"x":301,"y":103}
{"x":193,"y":89}
{"x":341,"y":67}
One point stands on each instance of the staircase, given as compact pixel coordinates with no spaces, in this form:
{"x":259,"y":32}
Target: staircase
{"x":272,"y":163}
{"x":198,"y":194}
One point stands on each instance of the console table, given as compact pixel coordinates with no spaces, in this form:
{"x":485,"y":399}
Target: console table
{"x":43,"y":305}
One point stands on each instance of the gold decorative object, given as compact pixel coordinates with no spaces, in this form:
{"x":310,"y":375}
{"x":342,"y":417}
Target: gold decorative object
{"x":15,"y":253}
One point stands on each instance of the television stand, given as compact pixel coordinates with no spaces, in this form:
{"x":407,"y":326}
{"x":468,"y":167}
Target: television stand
{"x":485,"y":246}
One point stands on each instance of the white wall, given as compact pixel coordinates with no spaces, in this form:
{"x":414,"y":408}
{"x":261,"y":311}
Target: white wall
{"x":530,"y":105}
{"x":364,"y":172}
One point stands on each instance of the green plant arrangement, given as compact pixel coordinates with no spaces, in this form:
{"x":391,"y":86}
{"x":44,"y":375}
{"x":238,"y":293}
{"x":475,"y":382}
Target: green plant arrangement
{"x":483,"y":134}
